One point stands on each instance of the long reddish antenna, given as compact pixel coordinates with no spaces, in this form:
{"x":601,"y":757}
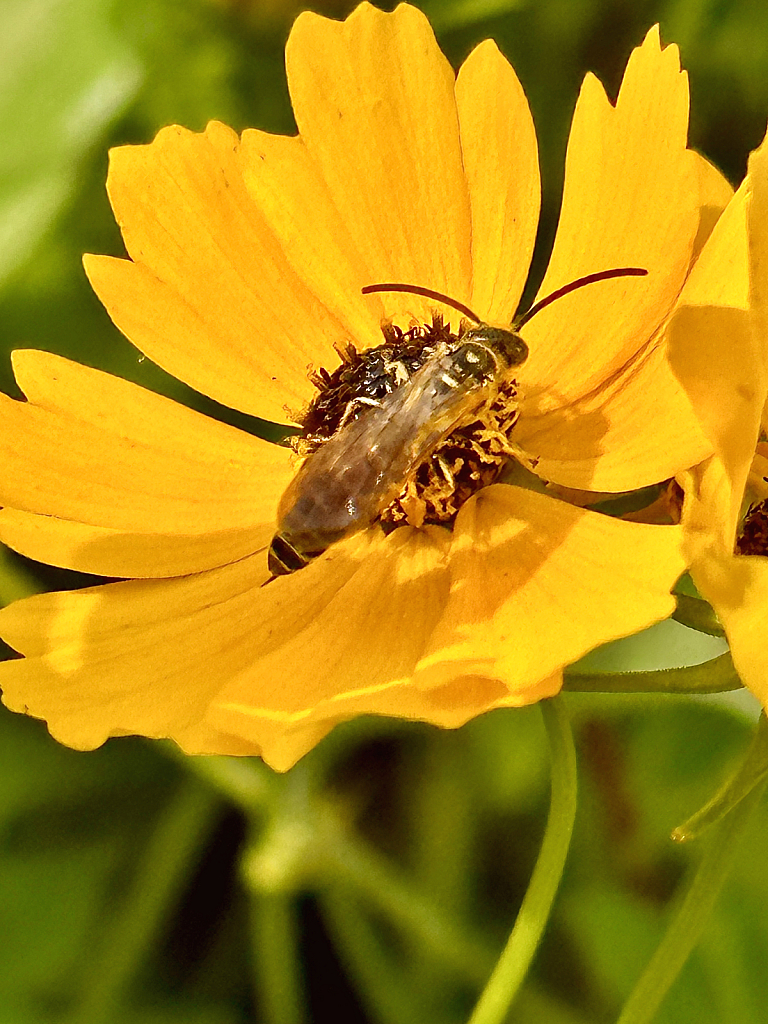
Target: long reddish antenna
{"x":580,"y":282}
{"x":428,"y":293}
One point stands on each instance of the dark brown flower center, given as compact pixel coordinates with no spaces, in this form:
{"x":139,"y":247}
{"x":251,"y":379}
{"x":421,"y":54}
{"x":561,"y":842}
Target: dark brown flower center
{"x":753,"y":536}
{"x":470,"y":457}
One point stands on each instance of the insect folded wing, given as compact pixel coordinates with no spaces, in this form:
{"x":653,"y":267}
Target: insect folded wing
{"x":357,"y":473}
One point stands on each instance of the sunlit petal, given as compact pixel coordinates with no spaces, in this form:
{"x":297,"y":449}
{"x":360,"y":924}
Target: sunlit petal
{"x":715,"y":192}
{"x":356,"y":650}
{"x":144,"y":656}
{"x":536,"y":583}
{"x":98,"y":450}
{"x":110,"y":552}
{"x":612,"y":439}
{"x":711,"y":344}
{"x":630,"y":200}
{"x":498,"y":143}
{"x":247,"y":260}
{"x":727,"y":378}
{"x":374,"y":101}
{"x":210,"y":295}
{"x":314,"y":235}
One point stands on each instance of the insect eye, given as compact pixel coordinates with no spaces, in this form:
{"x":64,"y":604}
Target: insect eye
{"x":506,"y":344}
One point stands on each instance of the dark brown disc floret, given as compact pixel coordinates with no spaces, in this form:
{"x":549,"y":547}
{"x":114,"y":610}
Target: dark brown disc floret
{"x":753,"y":535}
{"x":469,"y":458}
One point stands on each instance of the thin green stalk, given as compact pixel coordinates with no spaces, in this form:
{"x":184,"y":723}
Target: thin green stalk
{"x":376,"y":975}
{"x":277,"y":959}
{"x":512,"y":967}
{"x":161,"y":873}
{"x":274,"y":869}
{"x":714,"y":676}
{"x":245,"y":782}
{"x":691,"y":916}
{"x":443,"y":822}
{"x":352,"y":863}
{"x":750,"y":773}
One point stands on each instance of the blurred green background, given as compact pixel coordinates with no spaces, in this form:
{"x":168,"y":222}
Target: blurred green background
{"x":137,"y":887}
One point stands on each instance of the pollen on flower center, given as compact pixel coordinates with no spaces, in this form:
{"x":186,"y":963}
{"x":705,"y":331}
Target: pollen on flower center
{"x":472,"y":456}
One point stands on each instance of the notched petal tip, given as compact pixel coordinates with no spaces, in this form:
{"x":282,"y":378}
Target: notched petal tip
{"x":630,"y":198}
{"x":653,"y":46}
{"x":500,"y":157}
{"x":374,"y":102}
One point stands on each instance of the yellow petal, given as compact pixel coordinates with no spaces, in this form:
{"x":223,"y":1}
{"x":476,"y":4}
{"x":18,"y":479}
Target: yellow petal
{"x":108,"y":552}
{"x":712,"y":348}
{"x":758,"y":259}
{"x":536,"y":583}
{"x":287,"y":187}
{"x":745,"y":620}
{"x":710,"y":514}
{"x":735,"y":585}
{"x":630,"y":199}
{"x":715,"y":192}
{"x":637,"y":429}
{"x":374,"y":101}
{"x":727,"y":378}
{"x":639,"y":426}
{"x":220,"y":655}
{"x":98,"y":450}
{"x":138,"y":657}
{"x":498,"y":143}
{"x":284,"y":740}
{"x":210,"y":295}
{"x":355,"y":654}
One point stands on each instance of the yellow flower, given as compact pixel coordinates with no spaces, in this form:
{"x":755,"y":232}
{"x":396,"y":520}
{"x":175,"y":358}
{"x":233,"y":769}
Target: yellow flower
{"x":247,"y":259}
{"x":724,"y":368}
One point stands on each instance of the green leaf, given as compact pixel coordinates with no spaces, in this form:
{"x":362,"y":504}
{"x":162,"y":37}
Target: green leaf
{"x":666,"y":644}
{"x":15,"y":581}
{"x":457,"y":14}
{"x":713,"y":676}
{"x":697,"y":614}
{"x":70,"y":826}
{"x":64,"y":76}
{"x":629,"y":501}
{"x":752,"y":771}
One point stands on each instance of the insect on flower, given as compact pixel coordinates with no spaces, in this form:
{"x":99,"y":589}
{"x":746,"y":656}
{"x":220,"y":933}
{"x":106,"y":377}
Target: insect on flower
{"x":345,"y":485}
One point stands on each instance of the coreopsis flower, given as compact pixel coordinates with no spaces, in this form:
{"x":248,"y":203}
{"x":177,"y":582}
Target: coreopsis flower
{"x":246,"y":263}
{"x":725,"y":372}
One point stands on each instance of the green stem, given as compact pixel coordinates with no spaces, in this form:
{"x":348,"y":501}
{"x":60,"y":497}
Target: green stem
{"x":274,"y":869}
{"x":353,"y":864}
{"x":160,"y":876}
{"x":245,"y":782}
{"x":714,"y":676}
{"x":513,"y":964}
{"x":750,"y":773}
{"x":277,"y":958}
{"x":697,"y":614}
{"x":688,"y":922}
{"x":376,"y":976}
